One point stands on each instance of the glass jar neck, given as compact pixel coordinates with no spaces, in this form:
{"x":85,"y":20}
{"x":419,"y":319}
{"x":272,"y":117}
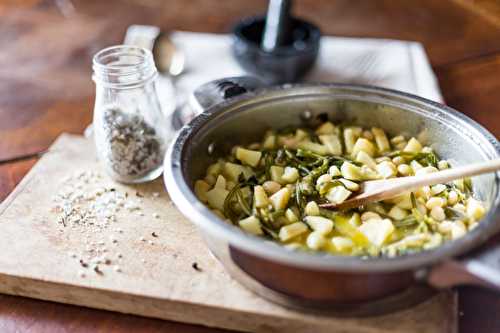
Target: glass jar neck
{"x":123,"y":67}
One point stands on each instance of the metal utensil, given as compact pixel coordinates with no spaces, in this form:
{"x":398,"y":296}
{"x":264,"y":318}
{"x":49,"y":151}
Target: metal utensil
{"x":169,"y":59}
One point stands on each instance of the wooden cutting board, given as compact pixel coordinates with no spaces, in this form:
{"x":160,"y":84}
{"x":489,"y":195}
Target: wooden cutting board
{"x":150,"y":274}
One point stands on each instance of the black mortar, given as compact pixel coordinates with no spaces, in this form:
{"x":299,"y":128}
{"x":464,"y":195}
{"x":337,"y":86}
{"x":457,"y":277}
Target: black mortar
{"x":284,"y":63}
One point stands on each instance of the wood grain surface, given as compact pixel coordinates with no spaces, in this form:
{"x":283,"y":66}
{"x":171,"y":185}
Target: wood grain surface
{"x":155,"y":257}
{"x":46,"y":89}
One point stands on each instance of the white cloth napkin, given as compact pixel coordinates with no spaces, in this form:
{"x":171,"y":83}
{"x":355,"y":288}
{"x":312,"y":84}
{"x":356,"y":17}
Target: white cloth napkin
{"x":395,"y":64}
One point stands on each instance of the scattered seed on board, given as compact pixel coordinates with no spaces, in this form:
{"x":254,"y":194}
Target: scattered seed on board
{"x":151,"y":243}
{"x":117,"y":269}
{"x":156,"y":215}
{"x":97,"y":269}
{"x":154,"y":234}
{"x":81,"y":274}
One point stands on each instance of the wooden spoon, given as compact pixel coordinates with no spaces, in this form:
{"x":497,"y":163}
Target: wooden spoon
{"x":376,"y":190}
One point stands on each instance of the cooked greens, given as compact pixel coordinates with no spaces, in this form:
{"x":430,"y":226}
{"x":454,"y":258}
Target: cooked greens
{"x":273,"y":189}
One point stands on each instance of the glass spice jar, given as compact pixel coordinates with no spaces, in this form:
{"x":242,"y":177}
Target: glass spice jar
{"x":130,"y":130}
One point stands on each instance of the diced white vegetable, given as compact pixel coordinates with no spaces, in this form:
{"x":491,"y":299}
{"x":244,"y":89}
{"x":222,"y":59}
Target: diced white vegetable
{"x":276,"y":173}
{"x":398,"y":213}
{"x":427,"y":150}
{"x":402,"y":201}
{"x":314,"y":147}
{"x":301,"y":135}
{"x":459,"y":207}
{"x":351,"y":134}
{"x":443,"y":164}
{"x":404,"y":169}
{"x":247,"y":156}
{"x":377,"y":231}
{"x":368,"y":173}
{"x":435,"y":202}
{"x":210,"y":179}
{"x":326,"y":128}
{"x":381,"y":139}
{"x":437,"y":213}
{"x":337,"y":194}
{"x":350,"y":185}
{"x":269,"y":142}
{"x":370,"y":215}
{"x":398,"y":160}
{"x":475,"y":210}
{"x":423,"y":192}
{"x":214,"y":169}
{"x":382,"y":159}
{"x":280,"y":199}
{"x":425,"y":171}
{"x":445,"y":227}
{"x":319,"y":224}
{"x":293,"y":246}
{"x":221,"y":182}
{"x":260,"y":197}
{"x":452,"y":198}
{"x":438,"y":188}
{"x":367,"y":135}
{"x":351,"y":171}
{"x":251,"y":225}
{"x":325,"y":178}
{"x":232,"y":171}
{"x":397,"y":139}
{"x":413,"y":146}
{"x":365,"y":145}
{"x":332,"y":143}
{"x":458,"y":230}
{"x":216,"y":197}
{"x":334,"y":171}
{"x":289,"y":141}
{"x":386,"y":169}
{"x":355,"y":220}
{"x":290,"y":216}
{"x":415,"y":166}
{"x":342,"y":244}
{"x":435,"y":241}
{"x":421,"y":208}
{"x":366,"y":159}
{"x":292,"y":230}
{"x":315,"y":240}
{"x":290,"y":175}
{"x":201,"y":188}
{"x":271,"y":186}
{"x":460,"y":184}
{"x":312,"y":208}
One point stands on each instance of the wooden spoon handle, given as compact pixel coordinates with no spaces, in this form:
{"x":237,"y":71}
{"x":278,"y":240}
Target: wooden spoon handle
{"x":377,"y":190}
{"x":448,"y":175}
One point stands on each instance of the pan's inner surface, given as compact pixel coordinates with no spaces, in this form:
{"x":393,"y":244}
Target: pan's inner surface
{"x":245,"y":120}
{"x":248,"y":123}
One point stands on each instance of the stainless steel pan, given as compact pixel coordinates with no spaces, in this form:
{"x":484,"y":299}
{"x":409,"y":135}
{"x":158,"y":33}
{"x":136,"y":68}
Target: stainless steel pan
{"x":236,"y":110}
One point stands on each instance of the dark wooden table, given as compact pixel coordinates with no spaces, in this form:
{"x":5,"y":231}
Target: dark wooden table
{"x":45,"y":89}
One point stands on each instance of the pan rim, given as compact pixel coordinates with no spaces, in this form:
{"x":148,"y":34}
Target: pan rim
{"x":198,"y":213}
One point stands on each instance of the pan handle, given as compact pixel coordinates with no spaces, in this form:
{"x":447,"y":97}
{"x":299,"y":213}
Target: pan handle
{"x":481,"y":268}
{"x":217,"y":91}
